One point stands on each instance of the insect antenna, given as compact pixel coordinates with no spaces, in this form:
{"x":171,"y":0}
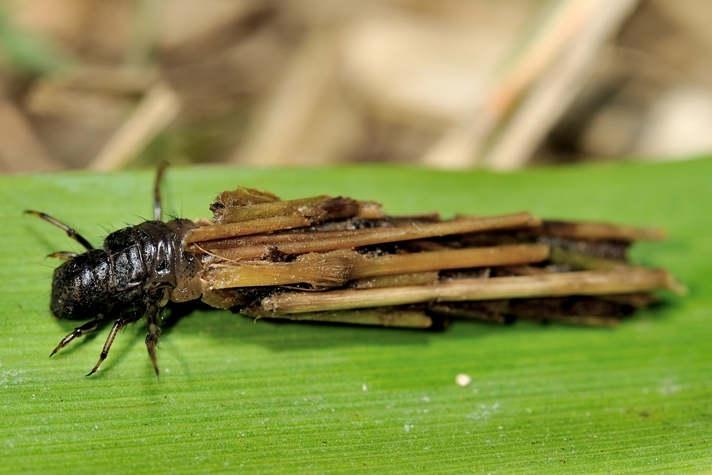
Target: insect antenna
{"x":64,"y":255}
{"x":70,"y":232}
{"x":157,"y":208}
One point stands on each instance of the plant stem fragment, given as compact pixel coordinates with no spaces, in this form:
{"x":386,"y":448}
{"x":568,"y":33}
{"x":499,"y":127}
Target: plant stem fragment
{"x":345,"y":261}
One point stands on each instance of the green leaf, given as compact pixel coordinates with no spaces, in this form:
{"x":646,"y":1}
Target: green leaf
{"x":243,"y":396}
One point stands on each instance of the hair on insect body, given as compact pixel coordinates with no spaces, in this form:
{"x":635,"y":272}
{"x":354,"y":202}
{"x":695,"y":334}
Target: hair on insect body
{"x":135,"y":273}
{"x":339,"y":260}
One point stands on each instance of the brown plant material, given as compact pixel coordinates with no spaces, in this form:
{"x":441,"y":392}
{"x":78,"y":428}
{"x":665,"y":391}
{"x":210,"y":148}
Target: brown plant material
{"x":345,"y":261}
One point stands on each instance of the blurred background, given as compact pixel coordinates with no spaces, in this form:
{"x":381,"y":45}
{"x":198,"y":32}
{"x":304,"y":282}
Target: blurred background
{"x":115,"y":84}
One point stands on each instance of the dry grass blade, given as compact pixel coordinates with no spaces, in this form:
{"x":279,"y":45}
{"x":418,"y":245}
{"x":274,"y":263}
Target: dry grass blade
{"x":337,"y":267}
{"x":601,"y":231}
{"x":557,"y":284}
{"x":159,"y":106}
{"x":387,"y":317}
{"x":255,"y":247}
{"x":268,"y":216}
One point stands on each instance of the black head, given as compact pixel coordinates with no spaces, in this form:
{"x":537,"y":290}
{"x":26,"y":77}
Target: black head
{"x":80,"y":286}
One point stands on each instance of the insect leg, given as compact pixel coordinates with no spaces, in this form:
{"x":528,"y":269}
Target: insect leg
{"x":70,"y":232}
{"x":79,"y":331}
{"x":157,"y":211}
{"x":152,"y":316}
{"x":119,"y":323}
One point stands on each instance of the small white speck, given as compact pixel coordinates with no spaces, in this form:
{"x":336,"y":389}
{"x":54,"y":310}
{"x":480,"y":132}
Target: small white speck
{"x":426,"y":448}
{"x":96,"y":427}
{"x":407,"y":427}
{"x":426,"y":399}
{"x":166,"y":370}
{"x":364,"y":387}
{"x":463,"y":380}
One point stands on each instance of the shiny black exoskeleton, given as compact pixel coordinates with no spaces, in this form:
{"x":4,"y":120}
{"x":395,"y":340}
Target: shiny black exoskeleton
{"x":138,"y":270}
{"x":137,"y":265}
